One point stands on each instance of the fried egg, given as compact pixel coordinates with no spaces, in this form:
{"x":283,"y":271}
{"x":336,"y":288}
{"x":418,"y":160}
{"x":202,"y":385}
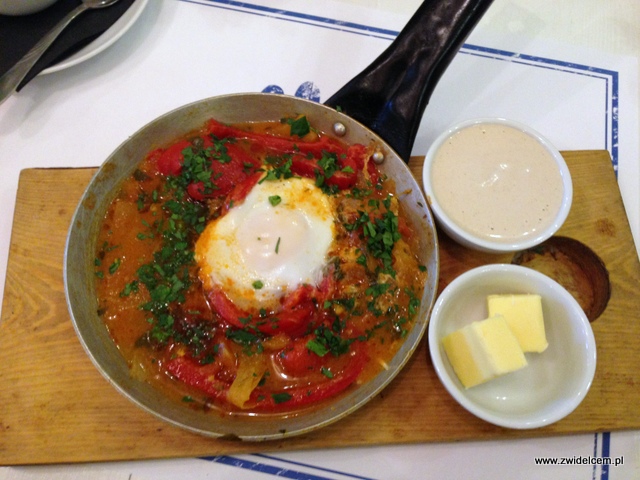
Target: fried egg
{"x":277,"y":239}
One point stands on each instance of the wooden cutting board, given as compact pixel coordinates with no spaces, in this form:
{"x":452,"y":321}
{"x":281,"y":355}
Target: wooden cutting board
{"x":56,"y":407}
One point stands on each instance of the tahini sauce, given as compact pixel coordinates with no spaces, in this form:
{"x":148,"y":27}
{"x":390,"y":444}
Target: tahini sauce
{"x":497,"y":182}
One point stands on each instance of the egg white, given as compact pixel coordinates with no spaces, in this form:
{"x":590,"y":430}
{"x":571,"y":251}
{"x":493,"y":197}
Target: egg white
{"x":277,"y":239}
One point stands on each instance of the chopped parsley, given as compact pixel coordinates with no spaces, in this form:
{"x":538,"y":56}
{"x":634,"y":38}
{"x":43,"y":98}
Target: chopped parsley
{"x":381,"y":234}
{"x":328,"y":167}
{"x":327,"y":341}
{"x":328,"y":163}
{"x":167,"y":277}
{"x":414,"y":302}
{"x":299,"y":126}
{"x":375,"y":291}
{"x":279,"y":167}
{"x":130,"y":288}
{"x":250,"y":339}
{"x":115,"y":265}
{"x":281,"y":397}
{"x":326,"y":372}
{"x":275,"y":200}
{"x":346,"y":303}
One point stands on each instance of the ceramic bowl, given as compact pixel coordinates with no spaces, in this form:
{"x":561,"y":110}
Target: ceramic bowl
{"x":553,"y":383}
{"x":490,"y":196}
{"x":23,"y":7}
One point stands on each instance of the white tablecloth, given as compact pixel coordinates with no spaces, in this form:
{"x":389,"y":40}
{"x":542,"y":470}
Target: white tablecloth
{"x":569,"y":69}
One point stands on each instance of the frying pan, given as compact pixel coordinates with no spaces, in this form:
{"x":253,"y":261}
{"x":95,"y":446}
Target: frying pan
{"x":382,"y":105}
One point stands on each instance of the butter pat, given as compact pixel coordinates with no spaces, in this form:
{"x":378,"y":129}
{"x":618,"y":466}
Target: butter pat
{"x":523,"y":314}
{"x":483,"y":350}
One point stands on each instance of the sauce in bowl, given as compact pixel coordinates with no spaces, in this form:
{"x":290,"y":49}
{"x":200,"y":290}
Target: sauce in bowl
{"x":498,"y":183}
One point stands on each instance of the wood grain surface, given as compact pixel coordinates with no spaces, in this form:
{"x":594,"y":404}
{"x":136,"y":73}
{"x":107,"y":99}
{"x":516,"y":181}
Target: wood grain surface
{"x":56,"y":407}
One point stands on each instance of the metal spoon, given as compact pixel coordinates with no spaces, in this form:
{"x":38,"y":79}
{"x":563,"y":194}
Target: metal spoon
{"x":12,"y":78}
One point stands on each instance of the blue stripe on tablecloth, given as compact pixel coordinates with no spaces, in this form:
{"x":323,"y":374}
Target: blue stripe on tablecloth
{"x":606,"y":453}
{"x":284,"y":470}
{"x":609,"y":77}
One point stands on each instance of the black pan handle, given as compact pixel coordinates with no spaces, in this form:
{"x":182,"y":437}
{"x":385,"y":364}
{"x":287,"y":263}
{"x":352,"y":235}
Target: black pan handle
{"x":390,"y":95}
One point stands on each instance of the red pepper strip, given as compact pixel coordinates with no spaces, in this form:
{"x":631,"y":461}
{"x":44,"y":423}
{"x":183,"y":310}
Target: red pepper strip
{"x":298,"y":397}
{"x":374,"y":173}
{"x":359,"y":156}
{"x":241,"y":190}
{"x":226,"y":175}
{"x":294,"y":318}
{"x":357,"y":153}
{"x":304,"y":167}
{"x":296,"y":314}
{"x":347,"y":176}
{"x":299,"y":309}
{"x":295,"y":321}
{"x":342,"y":179}
{"x":224,"y":307}
{"x":170,"y":160}
{"x":197,"y":191}
{"x":296,"y":359}
{"x":278,"y":144}
{"x":202,"y":377}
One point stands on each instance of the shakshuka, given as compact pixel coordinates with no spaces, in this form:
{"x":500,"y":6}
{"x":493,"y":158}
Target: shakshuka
{"x":257,"y":268}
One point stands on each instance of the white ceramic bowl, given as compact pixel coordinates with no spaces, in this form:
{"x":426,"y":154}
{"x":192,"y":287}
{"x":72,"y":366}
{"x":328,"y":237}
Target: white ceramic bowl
{"x":23,"y":7}
{"x":493,"y":183}
{"x":553,"y":383}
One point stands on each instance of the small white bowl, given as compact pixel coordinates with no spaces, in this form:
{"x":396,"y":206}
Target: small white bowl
{"x":553,"y":383}
{"x":507,"y":182}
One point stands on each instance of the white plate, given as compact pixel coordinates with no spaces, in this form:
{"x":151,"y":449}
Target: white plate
{"x":105,"y":40}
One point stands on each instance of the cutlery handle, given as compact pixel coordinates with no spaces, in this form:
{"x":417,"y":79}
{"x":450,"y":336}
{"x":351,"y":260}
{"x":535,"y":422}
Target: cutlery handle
{"x":12,"y":78}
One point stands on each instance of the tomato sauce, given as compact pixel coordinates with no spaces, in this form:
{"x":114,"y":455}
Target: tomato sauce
{"x":191,"y":341}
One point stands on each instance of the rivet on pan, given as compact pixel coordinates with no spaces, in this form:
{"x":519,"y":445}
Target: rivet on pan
{"x":339,"y":129}
{"x":378,"y":157}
